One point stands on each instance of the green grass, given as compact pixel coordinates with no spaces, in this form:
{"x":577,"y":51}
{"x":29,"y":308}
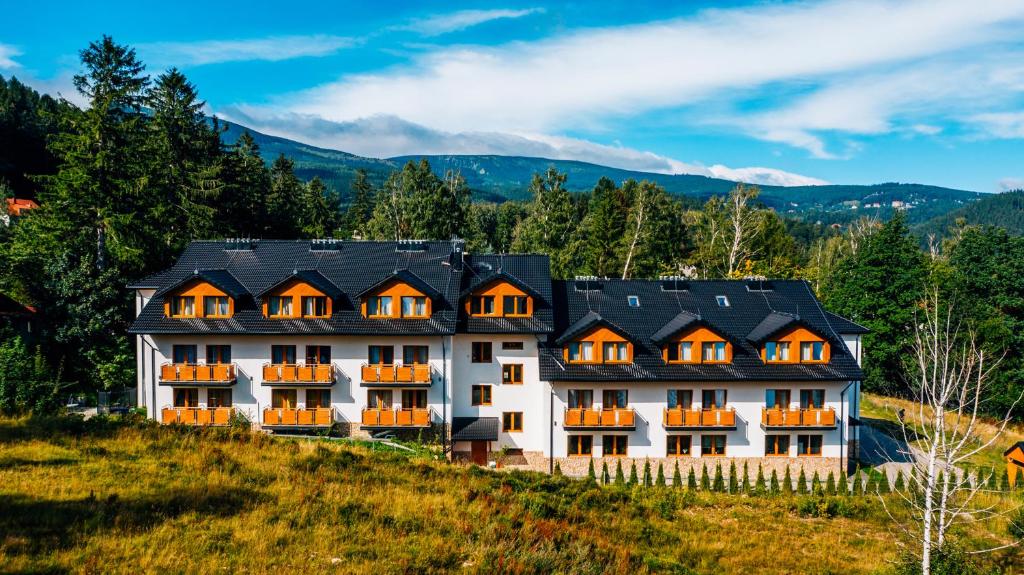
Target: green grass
{"x":109,"y":497}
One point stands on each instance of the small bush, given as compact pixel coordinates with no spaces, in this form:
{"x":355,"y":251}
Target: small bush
{"x":677,"y":479}
{"x":719,"y":484}
{"x":633,"y":479}
{"x":591,"y":474}
{"x":787,"y":482}
{"x":691,"y":480}
{"x":620,"y":478}
{"x":830,"y":483}
{"x":946,"y":560}
{"x":660,"y":480}
{"x":705,"y":479}
{"x":801,"y":484}
{"x":843,"y":488}
{"x":760,"y":487}
{"x":900,"y":484}
{"x":828,"y":507}
{"x":775,"y":483}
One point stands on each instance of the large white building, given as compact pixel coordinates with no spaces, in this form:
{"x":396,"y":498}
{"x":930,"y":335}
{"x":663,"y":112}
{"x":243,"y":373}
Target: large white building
{"x":490,"y":352}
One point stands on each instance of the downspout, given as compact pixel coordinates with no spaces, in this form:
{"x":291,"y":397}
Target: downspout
{"x":444,"y":398}
{"x":551,"y":430}
{"x":843,"y":425}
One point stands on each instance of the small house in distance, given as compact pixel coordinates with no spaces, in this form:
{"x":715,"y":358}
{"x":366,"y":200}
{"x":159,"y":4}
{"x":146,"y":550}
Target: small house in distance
{"x":16,"y":207}
{"x":1014,"y":461}
{"x":18,"y":317}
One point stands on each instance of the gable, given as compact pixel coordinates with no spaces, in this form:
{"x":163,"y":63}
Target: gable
{"x":396,"y":289}
{"x":498,"y":290}
{"x":197,"y":288}
{"x":697,"y":335}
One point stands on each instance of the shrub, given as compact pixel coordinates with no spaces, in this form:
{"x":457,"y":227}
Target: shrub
{"x":1004,"y":481}
{"x":775,"y":483}
{"x":719,"y":484}
{"x":872,"y":486}
{"x":760,"y":488}
{"x":830,"y":483}
{"x":1015,"y":523}
{"x":858,"y":485}
{"x":620,"y":478}
{"x":900,"y":484}
{"x":633,"y":479}
{"x":705,"y":479}
{"x":946,"y":560}
{"x":843,"y":487}
{"x":829,"y":507}
{"x":591,"y":476}
{"x":691,"y":480}
{"x":801,"y":482}
{"x":733,"y":480}
{"x":816,"y":484}
{"x":883,"y":483}
{"x":787,"y":482}
{"x":27,"y":383}
{"x":558,"y":470}
{"x":660,"y":481}
{"x":745,"y":481}
{"x":605,"y":476}
{"x":677,"y":479}
{"x":993,"y":483}
{"x":647,"y":473}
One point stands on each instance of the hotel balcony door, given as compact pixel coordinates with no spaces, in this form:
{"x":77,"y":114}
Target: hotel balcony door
{"x":479,"y":452}
{"x":283,"y":399}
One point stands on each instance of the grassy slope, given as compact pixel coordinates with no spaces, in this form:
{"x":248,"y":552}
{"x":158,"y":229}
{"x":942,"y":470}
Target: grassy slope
{"x":150,"y":499}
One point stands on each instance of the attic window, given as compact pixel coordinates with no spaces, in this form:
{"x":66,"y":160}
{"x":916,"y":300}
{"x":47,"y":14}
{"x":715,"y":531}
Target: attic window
{"x":411,"y":246}
{"x":239,"y":244}
{"x":587,"y":283}
{"x":324,"y":245}
{"x":674,"y":283}
{"x":722,"y":301}
{"x":634,"y":301}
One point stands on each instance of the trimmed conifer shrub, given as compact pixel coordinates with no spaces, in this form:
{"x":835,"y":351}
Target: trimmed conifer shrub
{"x":993,"y":481}
{"x":900,"y":484}
{"x":633,"y":479}
{"x":843,"y":488}
{"x":1004,"y":481}
{"x":858,"y":485}
{"x":734,"y":486}
{"x":605,"y":476}
{"x":830,"y":483}
{"x":591,"y":475}
{"x":660,"y":479}
{"x":620,"y":478}
{"x":677,"y":479}
{"x":801,"y":483}
{"x":816,"y":484}
{"x":647,"y":473}
{"x":691,"y":480}
{"x":745,"y":480}
{"x":558,"y":470}
{"x":760,"y":487}
{"x":883,"y":483}
{"x":775,"y":483}
{"x":787,"y":482}
{"x":872,"y":487}
{"x":719,"y":484}
{"x":705,"y":479}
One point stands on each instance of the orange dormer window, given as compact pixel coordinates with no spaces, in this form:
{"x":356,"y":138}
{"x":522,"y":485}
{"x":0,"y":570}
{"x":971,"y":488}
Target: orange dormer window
{"x":798,"y":345}
{"x":601,"y":345}
{"x":397,"y":300}
{"x":699,"y":345}
{"x":296,"y":299}
{"x":199,"y":299}
{"x":500,"y":299}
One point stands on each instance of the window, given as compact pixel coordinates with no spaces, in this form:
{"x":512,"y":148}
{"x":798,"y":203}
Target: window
{"x":616,"y":352}
{"x":713,"y":445}
{"x":776,"y":351}
{"x":186,"y":397}
{"x":812,"y":398}
{"x":512,"y":373}
{"x":511,"y":345}
{"x":218,"y":398}
{"x":314,"y":306}
{"x":722,"y":301}
{"x":581,"y":351}
{"x":283,"y":399}
{"x":581,"y":398}
{"x":415,"y":354}
{"x":776,"y":398}
{"x":678,"y":445}
{"x":808,"y":445}
{"x":381,"y":355}
{"x":614,"y":445}
{"x":512,"y":421}
{"x":633,"y":301}
{"x":614,"y":398}
{"x":379,"y":306}
{"x":216,"y":306}
{"x":414,"y":399}
{"x":515,"y":305}
{"x":183,"y":306}
{"x":318,"y":354}
{"x":776,"y":445}
{"x":481,"y":305}
{"x":713,"y":398}
{"x":318,"y":398}
{"x":481,"y":395}
{"x":481,"y":352}
{"x":581,"y":445}
{"x":282,"y":354}
{"x":379,"y":398}
{"x":414,"y":306}
{"x":812,"y":351}
{"x":218,"y":354}
{"x":184,"y":353}
{"x":680,"y":398}
{"x":279,"y":306}
{"x":682,"y":351}
{"x":713,"y":351}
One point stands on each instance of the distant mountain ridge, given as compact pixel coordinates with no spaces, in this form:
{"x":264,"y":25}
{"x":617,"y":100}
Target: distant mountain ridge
{"x":500,"y":178}
{"x":1005,"y":210}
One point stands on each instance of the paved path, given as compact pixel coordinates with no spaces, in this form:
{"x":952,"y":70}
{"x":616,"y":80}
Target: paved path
{"x":885,"y":452}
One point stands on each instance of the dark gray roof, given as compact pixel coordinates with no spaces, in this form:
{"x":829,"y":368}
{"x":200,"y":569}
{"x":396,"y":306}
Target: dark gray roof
{"x":588,"y":322}
{"x":220,"y":278}
{"x":404,"y":276}
{"x":474,"y":429}
{"x":660,"y":308}
{"x":772,"y":324}
{"x":682,"y":321}
{"x":845,"y":326}
{"x":311,"y":277}
{"x":529,"y":272}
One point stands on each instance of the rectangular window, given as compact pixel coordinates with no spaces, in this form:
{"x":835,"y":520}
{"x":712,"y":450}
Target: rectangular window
{"x":512,"y":421}
{"x":812,"y":351}
{"x":581,"y":398}
{"x":512,"y":373}
{"x":184,"y":354}
{"x":414,"y":306}
{"x":183,"y":306}
{"x":678,"y":445}
{"x":481,"y":305}
{"x":511,"y":345}
{"x":415,"y":354}
{"x":672,"y":353}
{"x":381,"y":355}
{"x":318,"y":354}
{"x":633,"y":301}
{"x":714,"y":398}
{"x":481,"y":395}
{"x":614,"y":445}
{"x":314,"y":306}
{"x":379,"y":306}
{"x":414,"y":399}
{"x":481,"y":352}
{"x":680,"y":398}
{"x":581,"y":445}
{"x":776,"y":445}
{"x":514,"y":305}
{"x":776,"y":351}
{"x":218,"y":398}
{"x":616,"y":352}
{"x":279,"y":306}
{"x":722,"y":301}
{"x":776,"y":398}
{"x":216,"y":306}
{"x":812,"y":398}
{"x":283,"y":398}
{"x":686,"y":351}
{"x":282,"y":354}
{"x":713,"y":445}
{"x":581,"y":351}
{"x":318,"y":398}
{"x":218,"y":354}
{"x":186,"y":397}
{"x":707,"y":351}
{"x":808,"y":445}
{"x":379,"y":398}
{"x":615,"y":398}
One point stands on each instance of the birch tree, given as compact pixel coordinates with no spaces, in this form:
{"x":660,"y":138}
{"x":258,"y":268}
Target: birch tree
{"x":743,"y":225}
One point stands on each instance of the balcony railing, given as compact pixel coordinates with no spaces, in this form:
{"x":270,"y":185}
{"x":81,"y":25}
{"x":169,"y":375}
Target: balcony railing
{"x":613,"y":418}
{"x":197,"y":415}
{"x":198,"y":373}
{"x":294,"y":417}
{"x":678,"y":418}
{"x":797,"y":418}
{"x":373,"y":374}
{"x":396,"y":418}
{"x":296,"y":374}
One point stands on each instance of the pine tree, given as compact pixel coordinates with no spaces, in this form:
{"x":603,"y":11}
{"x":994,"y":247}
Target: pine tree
{"x":801,"y":485}
{"x":677,"y":479}
{"x":660,"y":481}
{"x":647,"y":473}
{"x":760,"y":487}
{"x":775,"y":483}
{"x":605,"y":476}
{"x":285,"y":203}
{"x":787,"y":482}
{"x":691,"y":480}
{"x":633,"y":479}
{"x":549,"y":223}
{"x":858,"y":484}
{"x":620,"y":478}
{"x":360,"y":208}
{"x":602,"y":229}
{"x":830,"y":483}
{"x":734,"y":486}
{"x":719,"y":483}
{"x":843,"y":488}
{"x":816,"y":484}
{"x":900,"y":485}
{"x":745,"y":483}
{"x":883,"y":483}
{"x":705,"y":479}
{"x":591,"y":475}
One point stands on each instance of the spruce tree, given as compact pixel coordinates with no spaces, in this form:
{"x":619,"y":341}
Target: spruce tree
{"x":816,"y":484}
{"x":900,"y":485}
{"x":774,"y":483}
{"x":745,"y":481}
{"x":843,"y":487}
{"x":830,"y":483}
{"x":719,"y":483}
{"x":691,"y":479}
{"x":633,"y":479}
{"x":883,"y":483}
{"x":605,"y":476}
{"x":677,"y":479}
{"x":787,"y":482}
{"x":647,"y":473}
{"x":620,"y":478}
{"x":705,"y":479}
{"x":734,"y":486}
{"x":360,"y":208}
{"x":801,"y":485}
{"x":760,"y":487}
{"x":591,"y":475}
{"x":660,"y":481}
{"x":858,"y":484}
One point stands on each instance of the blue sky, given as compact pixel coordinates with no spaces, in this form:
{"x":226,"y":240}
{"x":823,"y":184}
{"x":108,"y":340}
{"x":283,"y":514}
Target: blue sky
{"x":843,"y":91}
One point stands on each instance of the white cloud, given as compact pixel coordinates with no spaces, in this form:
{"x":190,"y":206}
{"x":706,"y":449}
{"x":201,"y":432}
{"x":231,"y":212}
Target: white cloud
{"x":1007,"y":184}
{"x":1008,"y":125}
{"x":7,"y":55}
{"x":385,"y":136}
{"x":271,"y":49}
{"x":455,"y":21}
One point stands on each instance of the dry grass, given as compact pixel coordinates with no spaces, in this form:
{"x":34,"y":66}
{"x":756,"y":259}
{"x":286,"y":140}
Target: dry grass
{"x":107,"y":498}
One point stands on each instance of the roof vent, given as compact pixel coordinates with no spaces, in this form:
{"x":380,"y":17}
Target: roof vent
{"x":588,"y":283}
{"x":674,"y":283}
{"x":239,"y":244}
{"x":411,"y":246}
{"x":759,"y":285}
{"x":325,"y":245}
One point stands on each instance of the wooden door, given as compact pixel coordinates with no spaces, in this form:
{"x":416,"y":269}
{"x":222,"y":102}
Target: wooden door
{"x":479,"y":452}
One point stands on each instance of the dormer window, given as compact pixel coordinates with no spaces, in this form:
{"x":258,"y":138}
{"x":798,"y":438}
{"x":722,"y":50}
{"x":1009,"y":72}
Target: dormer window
{"x":216,"y":306}
{"x":379,"y":306}
{"x":183,"y":306}
{"x":279,"y":306}
{"x":414,"y":306}
{"x":581,"y":351}
{"x":776,"y":351}
{"x":482,"y":305}
{"x":680,"y":352}
{"x":812,"y":351}
{"x":516,"y":305}
{"x":616,"y":352}
{"x":713,"y":351}
{"x":499,"y":298}
{"x":314,"y":306}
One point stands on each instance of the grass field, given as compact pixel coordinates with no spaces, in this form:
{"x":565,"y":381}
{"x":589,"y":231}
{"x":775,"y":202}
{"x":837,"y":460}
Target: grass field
{"x":106,"y":497}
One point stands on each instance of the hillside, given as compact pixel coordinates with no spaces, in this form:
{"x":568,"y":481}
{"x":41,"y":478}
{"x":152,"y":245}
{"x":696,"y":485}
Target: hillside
{"x":497,"y":178}
{"x":1005,"y":210}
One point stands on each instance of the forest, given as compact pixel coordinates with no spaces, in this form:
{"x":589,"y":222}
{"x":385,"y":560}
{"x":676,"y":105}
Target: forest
{"x":127,"y":180}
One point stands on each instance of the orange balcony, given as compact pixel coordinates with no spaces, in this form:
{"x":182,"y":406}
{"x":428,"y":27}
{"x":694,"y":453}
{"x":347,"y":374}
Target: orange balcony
{"x":590,"y":418}
{"x":397,"y":375}
{"x":197,"y":374}
{"x":279,"y":374}
{"x":396,"y":418}
{"x":720,"y":418}
{"x":292,"y":417}
{"x":197,"y":415}
{"x":821,"y":418}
